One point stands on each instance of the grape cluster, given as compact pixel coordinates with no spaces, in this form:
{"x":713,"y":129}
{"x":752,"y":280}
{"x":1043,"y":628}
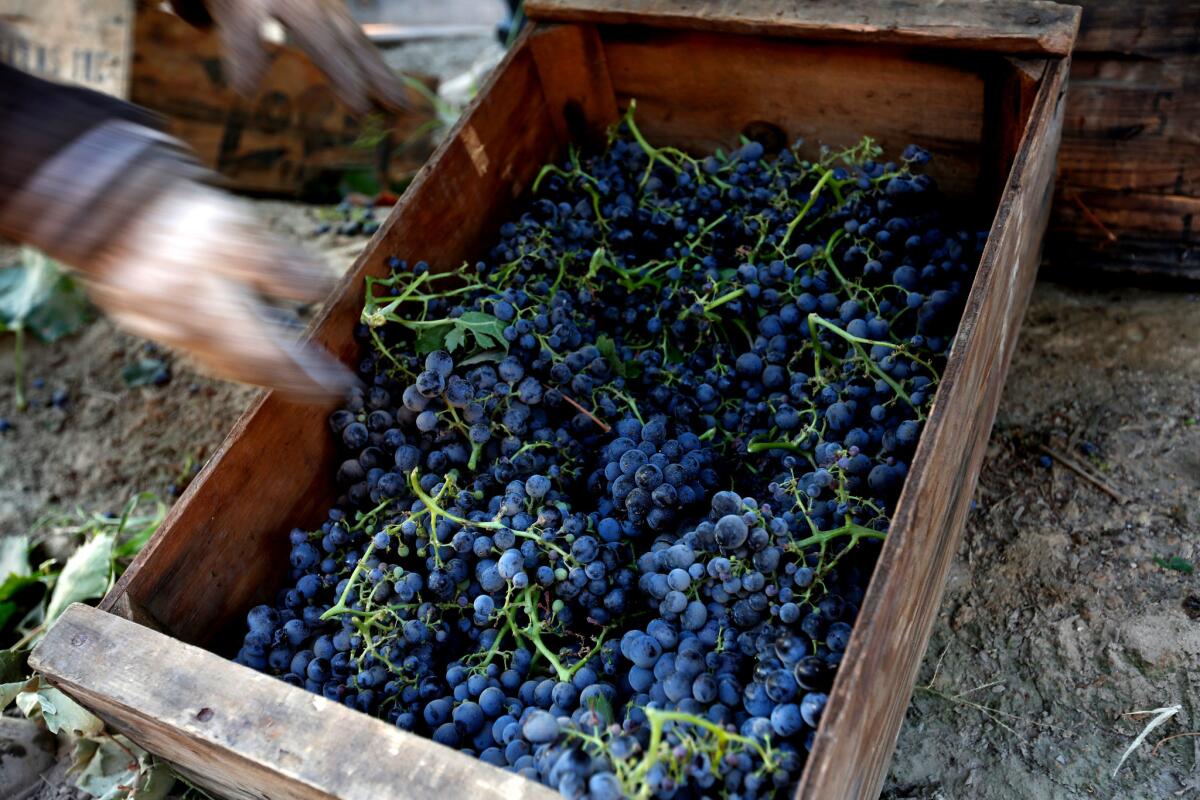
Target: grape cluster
{"x":610,"y":497}
{"x":650,"y":479}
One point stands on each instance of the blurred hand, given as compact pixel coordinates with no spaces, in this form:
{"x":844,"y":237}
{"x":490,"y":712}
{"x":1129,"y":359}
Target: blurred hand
{"x":190,"y":272}
{"x":325,"y":31}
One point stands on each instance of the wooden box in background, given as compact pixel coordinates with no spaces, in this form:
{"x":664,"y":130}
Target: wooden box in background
{"x":1129,"y":168}
{"x":981,"y":85}
{"x":292,"y":137}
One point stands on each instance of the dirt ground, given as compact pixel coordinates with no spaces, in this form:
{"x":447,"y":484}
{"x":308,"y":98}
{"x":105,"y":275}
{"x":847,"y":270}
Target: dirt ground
{"x":1056,"y":619}
{"x":108,"y":441}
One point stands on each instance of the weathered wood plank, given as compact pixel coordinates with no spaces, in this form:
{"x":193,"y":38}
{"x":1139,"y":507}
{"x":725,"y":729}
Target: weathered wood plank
{"x":702,"y":90}
{"x":218,"y":550}
{"x":1009,"y":26}
{"x":293,"y":132}
{"x":1146,"y":28}
{"x":1132,"y":215}
{"x":190,"y":707}
{"x":871,"y":693}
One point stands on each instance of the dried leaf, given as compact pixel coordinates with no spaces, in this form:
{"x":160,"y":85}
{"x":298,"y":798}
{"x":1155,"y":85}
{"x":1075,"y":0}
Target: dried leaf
{"x":59,"y":712}
{"x":9,"y":691}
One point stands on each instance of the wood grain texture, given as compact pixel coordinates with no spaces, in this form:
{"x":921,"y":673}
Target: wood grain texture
{"x":293,"y":132}
{"x":228,"y":532}
{"x":1150,"y":238}
{"x":871,"y":693}
{"x":288,"y":744}
{"x":1132,"y":132}
{"x":702,"y":90}
{"x":574,"y":75}
{"x":1009,"y":26}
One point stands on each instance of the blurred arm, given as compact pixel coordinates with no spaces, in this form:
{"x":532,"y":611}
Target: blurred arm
{"x":88,"y":180}
{"x":41,"y":124}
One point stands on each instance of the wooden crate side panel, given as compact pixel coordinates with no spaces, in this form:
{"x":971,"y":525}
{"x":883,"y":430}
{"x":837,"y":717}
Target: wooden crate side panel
{"x":1149,"y":28}
{"x":190,"y":707}
{"x":1134,"y":126}
{"x":1010,"y":26}
{"x":291,"y":132}
{"x":228,"y":533}
{"x":701,"y":91}
{"x":574,"y":74}
{"x":871,"y":693}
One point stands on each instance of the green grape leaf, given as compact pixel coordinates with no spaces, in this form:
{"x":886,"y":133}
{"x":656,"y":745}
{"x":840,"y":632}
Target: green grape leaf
{"x":36,"y":295}
{"x":57,"y":710}
{"x":9,"y":691}
{"x":432,"y":338}
{"x":483,"y":357}
{"x":1175,"y":563}
{"x":455,"y":339}
{"x":85,"y":576}
{"x":64,"y":312}
{"x":487,"y":330}
{"x":104,"y":770}
{"x":142,"y":372}
{"x":608,"y":349}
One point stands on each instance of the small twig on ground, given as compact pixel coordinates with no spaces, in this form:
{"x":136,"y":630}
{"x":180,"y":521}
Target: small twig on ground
{"x":1161,"y":715}
{"x":960,"y":698}
{"x":1165,"y":739}
{"x":989,"y":712}
{"x":1084,"y":472}
{"x":604,"y":426}
{"x":1092,"y":218}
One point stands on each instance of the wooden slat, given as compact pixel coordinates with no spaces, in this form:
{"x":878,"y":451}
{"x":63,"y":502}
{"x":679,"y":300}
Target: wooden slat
{"x":190,"y":707}
{"x":574,"y":75}
{"x":702,"y":90}
{"x":871,"y":692}
{"x":1008,"y":26}
{"x":1130,"y":215}
{"x":1147,"y":261}
{"x":1151,"y":28}
{"x":219,"y":549}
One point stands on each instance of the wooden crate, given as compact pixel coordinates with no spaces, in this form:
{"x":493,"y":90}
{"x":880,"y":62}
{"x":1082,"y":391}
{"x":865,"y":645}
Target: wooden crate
{"x":830,"y":71}
{"x":291,"y":136}
{"x":1129,"y":169}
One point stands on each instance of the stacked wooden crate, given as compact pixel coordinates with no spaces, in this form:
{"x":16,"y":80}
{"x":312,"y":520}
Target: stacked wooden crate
{"x":1129,"y":168}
